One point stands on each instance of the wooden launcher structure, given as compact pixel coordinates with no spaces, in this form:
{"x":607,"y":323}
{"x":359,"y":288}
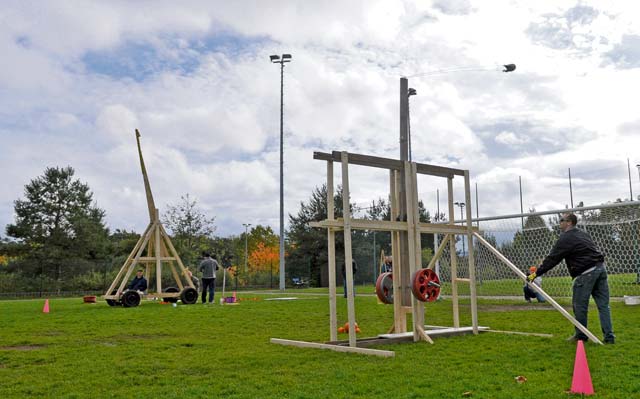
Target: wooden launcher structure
{"x":406,"y":290}
{"x":154,"y":248}
{"x":410,"y":285}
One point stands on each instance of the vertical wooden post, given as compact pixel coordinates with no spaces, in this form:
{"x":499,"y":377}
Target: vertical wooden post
{"x":471,"y":257}
{"x":403,"y":274}
{"x":414,"y":247}
{"x":348,"y":256}
{"x":454,"y":257}
{"x":399,"y":317}
{"x":331,"y":240}
{"x":157,"y":253}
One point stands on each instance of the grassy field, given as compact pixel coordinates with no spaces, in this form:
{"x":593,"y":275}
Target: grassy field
{"x":159,"y":351}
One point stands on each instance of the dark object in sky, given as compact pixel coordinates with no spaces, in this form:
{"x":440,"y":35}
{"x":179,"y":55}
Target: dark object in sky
{"x":509,"y":68}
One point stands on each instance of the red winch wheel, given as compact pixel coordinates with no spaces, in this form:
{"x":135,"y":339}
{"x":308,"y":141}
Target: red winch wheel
{"x":384,"y":288}
{"x":425,"y":285}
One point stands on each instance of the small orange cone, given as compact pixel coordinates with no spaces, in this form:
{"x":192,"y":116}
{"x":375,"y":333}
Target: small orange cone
{"x":45,"y":309}
{"x":581,"y":377}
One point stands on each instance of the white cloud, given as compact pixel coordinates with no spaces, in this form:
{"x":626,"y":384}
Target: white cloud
{"x":195,"y":79}
{"x":511,"y":139}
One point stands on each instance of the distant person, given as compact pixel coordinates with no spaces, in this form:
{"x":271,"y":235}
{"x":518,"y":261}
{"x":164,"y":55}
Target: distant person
{"x":586,"y":266}
{"x":387,"y":265}
{"x":139,"y":283}
{"x":529,"y":293}
{"x":208,"y":267}
{"x":344,"y":276}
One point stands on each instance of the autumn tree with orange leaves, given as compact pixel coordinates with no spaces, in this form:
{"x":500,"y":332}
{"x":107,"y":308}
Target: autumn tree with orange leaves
{"x":263,"y":258}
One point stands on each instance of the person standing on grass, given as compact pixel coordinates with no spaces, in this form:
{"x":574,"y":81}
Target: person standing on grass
{"x":586,"y":266}
{"x":208,"y":267}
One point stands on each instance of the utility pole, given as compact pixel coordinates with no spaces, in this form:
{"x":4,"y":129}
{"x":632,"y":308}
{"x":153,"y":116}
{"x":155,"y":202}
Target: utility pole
{"x":276,"y":59}
{"x":246,"y":247}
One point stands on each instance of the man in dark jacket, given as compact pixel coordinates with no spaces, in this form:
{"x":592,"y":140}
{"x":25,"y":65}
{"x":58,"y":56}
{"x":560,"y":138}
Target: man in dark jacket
{"x":586,"y":266}
{"x":139,"y":283}
{"x":208,"y":267}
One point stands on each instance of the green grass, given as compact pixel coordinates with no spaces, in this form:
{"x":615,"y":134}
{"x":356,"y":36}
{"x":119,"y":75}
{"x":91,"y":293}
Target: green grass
{"x":619,"y":286}
{"x":83,"y":350}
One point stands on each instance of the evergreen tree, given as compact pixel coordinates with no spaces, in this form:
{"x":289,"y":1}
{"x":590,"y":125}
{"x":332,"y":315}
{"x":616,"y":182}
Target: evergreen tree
{"x":62,"y":230}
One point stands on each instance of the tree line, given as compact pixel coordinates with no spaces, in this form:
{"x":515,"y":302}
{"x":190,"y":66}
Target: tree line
{"x":59,"y":240}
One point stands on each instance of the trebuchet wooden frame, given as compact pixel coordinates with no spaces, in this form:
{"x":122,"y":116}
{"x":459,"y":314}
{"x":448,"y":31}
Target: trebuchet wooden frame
{"x":159,"y":252}
{"x":404,"y":302}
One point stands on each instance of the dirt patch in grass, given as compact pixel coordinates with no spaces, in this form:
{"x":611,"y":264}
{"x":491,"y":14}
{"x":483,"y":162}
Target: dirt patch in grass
{"x":22,"y":347}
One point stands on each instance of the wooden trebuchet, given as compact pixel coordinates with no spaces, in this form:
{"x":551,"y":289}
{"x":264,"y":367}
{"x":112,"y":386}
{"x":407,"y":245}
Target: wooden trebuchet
{"x":153,"y":248}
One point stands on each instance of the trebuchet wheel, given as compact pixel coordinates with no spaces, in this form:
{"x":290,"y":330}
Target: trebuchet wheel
{"x":171,"y":290}
{"x":189,"y":296}
{"x":113,"y":302}
{"x":131,"y":299}
{"x":425,"y":285}
{"x":384,"y":287}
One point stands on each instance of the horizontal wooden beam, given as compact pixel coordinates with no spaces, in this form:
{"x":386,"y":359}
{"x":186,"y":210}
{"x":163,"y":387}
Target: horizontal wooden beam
{"x":153,"y":258}
{"x":437,"y":332}
{"x":336,"y":348}
{"x":387,"y":225}
{"x":388,"y":163}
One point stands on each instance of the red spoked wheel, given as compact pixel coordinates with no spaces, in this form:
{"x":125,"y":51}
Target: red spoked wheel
{"x":384,"y":288}
{"x":425,"y":285}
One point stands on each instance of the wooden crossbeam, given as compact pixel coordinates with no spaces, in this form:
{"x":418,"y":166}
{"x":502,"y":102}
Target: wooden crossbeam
{"x":388,"y":163}
{"x":386,"y":225}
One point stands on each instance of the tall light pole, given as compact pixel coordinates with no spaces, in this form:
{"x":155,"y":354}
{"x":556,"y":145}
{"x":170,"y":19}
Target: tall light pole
{"x":461,"y":205}
{"x":246,"y":245}
{"x":276,"y":59}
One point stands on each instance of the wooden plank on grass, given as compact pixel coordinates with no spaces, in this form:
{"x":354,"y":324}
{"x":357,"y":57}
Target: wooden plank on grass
{"x":437,"y":332}
{"x":335,"y":348}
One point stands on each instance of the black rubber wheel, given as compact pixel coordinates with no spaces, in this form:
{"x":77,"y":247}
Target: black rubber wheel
{"x":173,"y":299}
{"x":189,"y":296}
{"x":113,"y":302}
{"x":130,"y":299}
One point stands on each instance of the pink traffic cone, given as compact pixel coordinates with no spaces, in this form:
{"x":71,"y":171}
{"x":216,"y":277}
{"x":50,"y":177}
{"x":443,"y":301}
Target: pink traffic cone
{"x":581,"y":377}
{"x":45,"y":309}
{"x":234,"y":297}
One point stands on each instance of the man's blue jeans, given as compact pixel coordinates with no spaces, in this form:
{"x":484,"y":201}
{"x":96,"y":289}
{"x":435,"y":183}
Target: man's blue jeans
{"x":210,"y":285}
{"x":594,"y":283}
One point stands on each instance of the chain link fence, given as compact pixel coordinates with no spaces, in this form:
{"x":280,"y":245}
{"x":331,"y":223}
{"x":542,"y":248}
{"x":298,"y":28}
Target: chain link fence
{"x":526,"y":239}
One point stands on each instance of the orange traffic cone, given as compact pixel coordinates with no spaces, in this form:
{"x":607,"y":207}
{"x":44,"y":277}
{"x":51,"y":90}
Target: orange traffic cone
{"x":45,"y":309}
{"x":581,"y":377}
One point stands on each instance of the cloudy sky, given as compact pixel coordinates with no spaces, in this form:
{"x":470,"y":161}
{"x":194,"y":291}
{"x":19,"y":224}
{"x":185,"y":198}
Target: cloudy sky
{"x":77,"y":77}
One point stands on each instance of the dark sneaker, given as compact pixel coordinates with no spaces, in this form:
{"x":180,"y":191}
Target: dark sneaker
{"x":574,"y":338}
{"x":609,"y":341}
